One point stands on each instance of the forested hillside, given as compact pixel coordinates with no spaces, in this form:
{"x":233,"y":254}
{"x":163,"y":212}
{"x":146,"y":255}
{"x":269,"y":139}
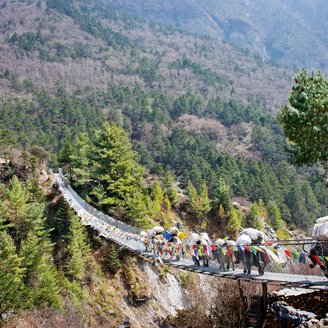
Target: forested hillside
{"x":191,"y":105}
{"x":86,"y":44}
{"x":153,"y":126}
{"x":290,"y":32}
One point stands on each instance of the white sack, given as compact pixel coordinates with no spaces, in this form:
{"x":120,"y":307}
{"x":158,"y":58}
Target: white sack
{"x":320,"y":231}
{"x":253,"y":233}
{"x":174,"y":231}
{"x":243,"y":240}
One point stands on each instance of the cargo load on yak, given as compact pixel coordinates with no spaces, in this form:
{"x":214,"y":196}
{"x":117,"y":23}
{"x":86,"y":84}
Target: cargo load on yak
{"x":257,"y":236}
{"x":319,"y":252}
{"x":320,"y":229}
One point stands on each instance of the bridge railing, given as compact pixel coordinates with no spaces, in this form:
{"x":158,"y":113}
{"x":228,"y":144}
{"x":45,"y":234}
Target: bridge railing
{"x":101,"y":216}
{"x":286,"y":257}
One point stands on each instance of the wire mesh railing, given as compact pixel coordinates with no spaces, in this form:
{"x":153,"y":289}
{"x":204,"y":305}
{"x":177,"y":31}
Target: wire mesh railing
{"x":294,"y":260}
{"x":96,"y":213}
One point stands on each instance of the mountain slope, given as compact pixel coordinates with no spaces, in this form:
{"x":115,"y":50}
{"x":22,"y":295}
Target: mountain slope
{"x":94,"y":45}
{"x":293,"y":33}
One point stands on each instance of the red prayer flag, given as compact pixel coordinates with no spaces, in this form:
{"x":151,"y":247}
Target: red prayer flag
{"x":289,"y":254}
{"x":229,"y":251}
{"x":316,"y":258}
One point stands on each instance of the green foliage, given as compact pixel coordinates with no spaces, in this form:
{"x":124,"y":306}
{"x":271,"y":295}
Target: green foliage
{"x":306,"y":119}
{"x":253,"y":218}
{"x":35,"y":280}
{"x":46,"y":290}
{"x":234,"y":221}
{"x":188,"y":280}
{"x":79,"y":159}
{"x":198,"y":204}
{"x":157,"y":197}
{"x":208,"y":76}
{"x":136,"y":209}
{"x":90,"y":24}
{"x":274,"y":215}
{"x":223,"y":195}
{"x":28,"y":42}
{"x":149,"y":72}
{"x":78,"y":249}
{"x":12,"y":288}
{"x":52,"y":118}
{"x":169,"y":188}
{"x":14,"y":208}
{"x":114,"y":263}
{"x":114,"y":165}
{"x":7,"y":139}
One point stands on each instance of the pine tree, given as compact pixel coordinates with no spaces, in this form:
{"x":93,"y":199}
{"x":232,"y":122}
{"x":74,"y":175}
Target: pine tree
{"x":61,"y":222}
{"x":221,"y":212}
{"x":198,"y":204}
{"x":114,"y":263}
{"x":205,"y":202}
{"x":80,"y":160}
{"x":66,"y":154}
{"x":136,"y":210}
{"x":234,"y":222}
{"x":78,"y":248}
{"x":276,"y":220}
{"x":7,"y":140}
{"x":169,"y":188}
{"x":223,"y":195}
{"x":36,"y":194}
{"x":15,"y":205}
{"x":253,"y":218}
{"x":12,"y":288}
{"x":157,"y":197}
{"x":274,"y":215}
{"x":46,"y":290}
{"x":193,"y":198}
{"x":115,"y":166}
{"x":36,"y":249}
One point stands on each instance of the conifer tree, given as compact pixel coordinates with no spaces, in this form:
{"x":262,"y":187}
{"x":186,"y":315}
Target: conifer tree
{"x":80,"y":160}
{"x":12,"y":288}
{"x":234,"y":222}
{"x":193,"y":198}
{"x":115,"y":166}
{"x":136,"y":210}
{"x":15,"y":205}
{"x":223,"y":195}
{"x":66,"y":154}
{"x":61,"y":222}
{"x":221,"y":212}
{"x":78,"y":248}
{"x":36,"y":194}
{"x":114,"y":263}
{"x":169,"y":188}
{"x":274,"y":215}
{"x":7,"y":140}
{"x":276,"y":220}
{"x":46,"y":290}
{"x":205,"y":202}
{"x":253,"y":218}
{"x":198,"y":204}
{"x":36,"y":249}
{"x":157,"y":197}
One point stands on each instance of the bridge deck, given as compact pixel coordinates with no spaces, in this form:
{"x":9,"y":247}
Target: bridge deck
{"x":128,"y":237}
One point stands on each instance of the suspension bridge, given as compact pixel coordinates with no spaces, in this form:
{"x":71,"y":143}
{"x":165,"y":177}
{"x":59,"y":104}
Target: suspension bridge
{"x":290,"y":274}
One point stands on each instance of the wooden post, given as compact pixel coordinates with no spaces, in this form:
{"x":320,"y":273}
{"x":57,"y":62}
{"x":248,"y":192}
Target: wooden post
{"x":264,"y":300}
{"x":243,"y":305}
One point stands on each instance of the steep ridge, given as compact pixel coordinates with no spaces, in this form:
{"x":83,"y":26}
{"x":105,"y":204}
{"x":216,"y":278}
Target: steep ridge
{"x":86,"y":43}
{"x":289,"y":32}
